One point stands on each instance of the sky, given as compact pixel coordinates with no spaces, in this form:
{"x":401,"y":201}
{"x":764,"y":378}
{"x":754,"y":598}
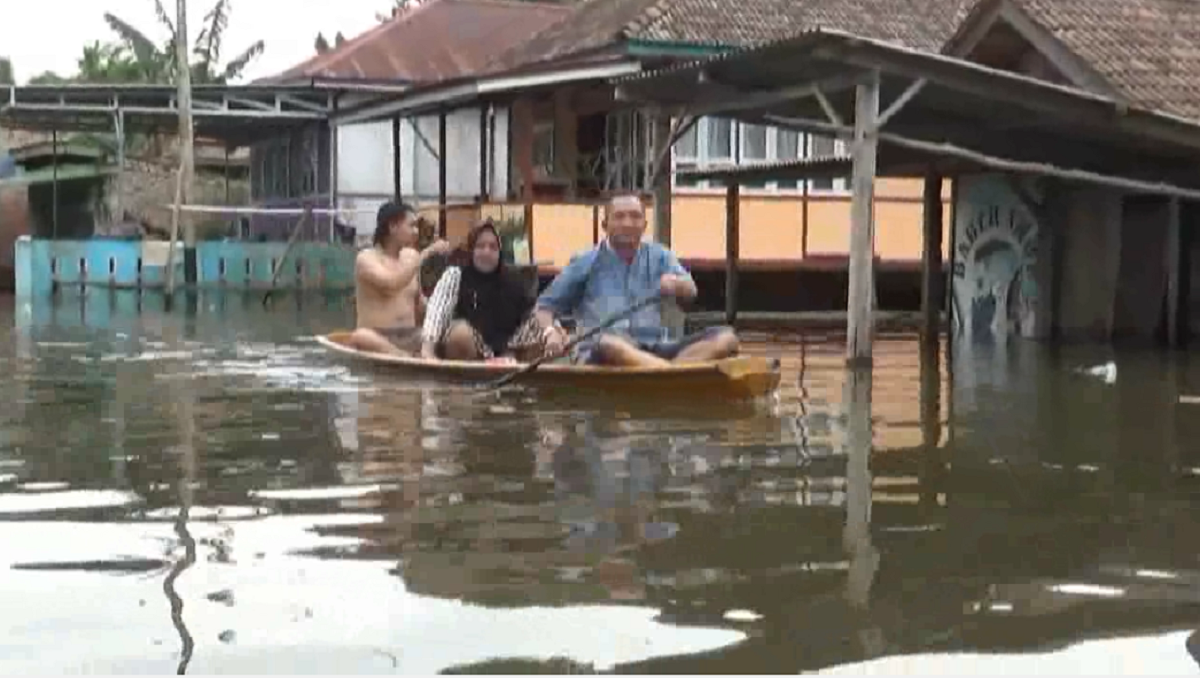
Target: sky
{"x":50,"y":34}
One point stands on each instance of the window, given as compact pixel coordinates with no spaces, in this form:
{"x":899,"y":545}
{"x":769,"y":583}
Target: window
{"x":754,"y":143}
{"x":720,"y":138}
{"x":824,"y":147}
{"x":543,"y":148}
{"x":717,"y":141}
{"x":688,"y":145}
{"x":788,"y":147}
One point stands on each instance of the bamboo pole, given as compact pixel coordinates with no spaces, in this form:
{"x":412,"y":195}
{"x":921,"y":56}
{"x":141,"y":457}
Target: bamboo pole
{"x":174,"y":236}
{"x":183,"y":81}
{"x":305,"y":220}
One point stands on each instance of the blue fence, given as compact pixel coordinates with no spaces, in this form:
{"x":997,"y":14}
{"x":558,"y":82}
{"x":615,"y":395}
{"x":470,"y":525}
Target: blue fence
{"x":43,"y":265}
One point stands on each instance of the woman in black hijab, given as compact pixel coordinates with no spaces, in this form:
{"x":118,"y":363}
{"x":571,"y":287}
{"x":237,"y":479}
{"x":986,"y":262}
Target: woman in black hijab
{"x":478,"y":311}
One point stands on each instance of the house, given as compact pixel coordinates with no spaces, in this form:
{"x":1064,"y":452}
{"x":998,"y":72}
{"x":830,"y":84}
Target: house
{"x":536,"y":129}
{"x":438,"y":41}
{"x":548,"y":98}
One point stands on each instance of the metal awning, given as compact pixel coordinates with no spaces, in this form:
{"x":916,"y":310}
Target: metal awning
{"x":219,"y":111}
{"x":811,"y":78}
{"x":63,"y":173}
{"x":805,"y":168}
{"x":464,"y":92}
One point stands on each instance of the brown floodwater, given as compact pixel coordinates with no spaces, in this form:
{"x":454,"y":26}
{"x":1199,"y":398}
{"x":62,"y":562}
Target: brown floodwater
{"x":208,"y":491}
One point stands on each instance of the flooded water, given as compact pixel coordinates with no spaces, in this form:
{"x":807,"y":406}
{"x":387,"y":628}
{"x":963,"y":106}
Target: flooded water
{"x":208,"y":491}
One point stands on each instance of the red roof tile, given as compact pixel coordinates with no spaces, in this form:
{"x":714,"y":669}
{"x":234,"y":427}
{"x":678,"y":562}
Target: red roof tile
{"x":439,"y":40}
{"x":922,"y":24}
{"x":1149,"y":50}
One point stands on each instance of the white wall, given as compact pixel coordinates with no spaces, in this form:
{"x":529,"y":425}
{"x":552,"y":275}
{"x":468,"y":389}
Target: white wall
{"x":365,"y":162}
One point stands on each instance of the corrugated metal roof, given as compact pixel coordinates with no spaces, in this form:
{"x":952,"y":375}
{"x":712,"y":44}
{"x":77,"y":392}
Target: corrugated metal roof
{"x":439,"y":40}
{"x":64,"y":173}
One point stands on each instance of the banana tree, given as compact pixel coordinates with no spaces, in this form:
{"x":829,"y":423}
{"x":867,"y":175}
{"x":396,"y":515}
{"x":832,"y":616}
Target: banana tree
{"x":155,"y":63}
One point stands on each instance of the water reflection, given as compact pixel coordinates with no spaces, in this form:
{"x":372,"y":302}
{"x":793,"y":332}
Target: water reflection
{"x":302,"y":514}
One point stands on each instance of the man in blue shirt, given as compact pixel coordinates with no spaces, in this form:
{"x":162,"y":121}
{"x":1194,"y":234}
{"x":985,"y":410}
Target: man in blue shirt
{"x":614,"y":275}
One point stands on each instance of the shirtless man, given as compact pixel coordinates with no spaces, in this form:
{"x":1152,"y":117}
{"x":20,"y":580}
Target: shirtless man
{"x":387,"y":286}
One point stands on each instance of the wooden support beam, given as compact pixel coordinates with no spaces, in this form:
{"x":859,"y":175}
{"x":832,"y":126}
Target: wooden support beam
{"x":396,"y":186}
{"x":859,"y":312}
{"x":733,"y":200}
{"x":933,"y":461}
{"x":484,"y":136}
{"x":856,"y":537}
{"x":661,"y":177}
{"x":931,"y":258}
{"x":946,"y":150}
{"x":1174,"y":264}
{"x":442,"y":214}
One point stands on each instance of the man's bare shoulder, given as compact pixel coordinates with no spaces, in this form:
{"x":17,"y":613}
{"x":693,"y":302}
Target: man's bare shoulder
{"x":366,"y":255}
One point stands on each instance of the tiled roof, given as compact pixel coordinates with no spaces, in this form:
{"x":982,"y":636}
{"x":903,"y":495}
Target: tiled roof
{"x":924,"y":24}
{"x":439,"y":40}
{"x":1149,"y":50}
{"x":592,"y":24}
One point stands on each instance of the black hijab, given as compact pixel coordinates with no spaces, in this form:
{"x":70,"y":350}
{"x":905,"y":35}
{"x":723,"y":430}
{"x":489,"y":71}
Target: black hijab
{"x":494,"y":303}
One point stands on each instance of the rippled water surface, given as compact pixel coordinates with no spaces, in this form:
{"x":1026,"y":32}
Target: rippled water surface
{"x":208,"y":491}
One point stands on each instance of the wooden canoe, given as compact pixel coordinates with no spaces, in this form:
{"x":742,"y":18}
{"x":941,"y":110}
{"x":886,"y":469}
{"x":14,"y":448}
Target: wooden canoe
{"x":740,"y":377}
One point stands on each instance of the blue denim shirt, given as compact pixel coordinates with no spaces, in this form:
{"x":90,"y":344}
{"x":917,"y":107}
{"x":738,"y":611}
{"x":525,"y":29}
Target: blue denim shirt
{"x":598,"y":283}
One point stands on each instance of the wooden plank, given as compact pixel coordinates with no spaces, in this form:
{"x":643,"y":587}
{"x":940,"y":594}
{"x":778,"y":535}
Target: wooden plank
{"x":442,"y":215}
{"x":931,"y":257}
{"x":862,"y":228}
{"x":732,"y":250}
{"x":1174,"y":262}
{"x":396,"y":185}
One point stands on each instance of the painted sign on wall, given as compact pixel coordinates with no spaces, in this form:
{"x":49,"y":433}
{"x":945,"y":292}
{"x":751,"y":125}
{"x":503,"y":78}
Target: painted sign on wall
{"x":995,"y":249}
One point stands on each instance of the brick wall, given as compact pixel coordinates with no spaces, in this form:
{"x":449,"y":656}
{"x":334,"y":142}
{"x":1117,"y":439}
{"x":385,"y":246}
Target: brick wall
{"x":148,"y":188}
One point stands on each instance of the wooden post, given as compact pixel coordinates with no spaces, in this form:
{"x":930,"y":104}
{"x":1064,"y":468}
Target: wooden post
{"x":856,"y":537}
{"x":175,"y":218}
{"x":118,"y":208}
{"x":933,"y":465}
{"x":484,"y":185}
{"x":442,"y":215}
{"x":54,"y":184}
{"x":662,"y":180}
{"x":862,"y":228}
{"x":733,"y":201}
{"x":931,"y":258}
{"x":187,"y":161}
{"x":396,"y":186}
{"x":1174,"y":262}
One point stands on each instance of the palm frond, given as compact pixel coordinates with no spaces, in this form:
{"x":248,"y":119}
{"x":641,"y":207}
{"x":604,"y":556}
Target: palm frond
{"x":164,"y":18}
{"x":143,"y":48}
{"x":208,"y":42}
{"x":234,"y":68}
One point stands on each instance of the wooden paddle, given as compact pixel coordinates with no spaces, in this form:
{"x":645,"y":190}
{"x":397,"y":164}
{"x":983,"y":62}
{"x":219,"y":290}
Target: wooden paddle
{"x":607,"y":323}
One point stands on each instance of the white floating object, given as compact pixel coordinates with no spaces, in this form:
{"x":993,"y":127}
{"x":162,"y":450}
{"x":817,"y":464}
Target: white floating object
{"x":319,"y":493}
{"x":39,"y":502}
{"x":742,"y":616}
{"x":43,"y":487}
{"x":1106,"y":372}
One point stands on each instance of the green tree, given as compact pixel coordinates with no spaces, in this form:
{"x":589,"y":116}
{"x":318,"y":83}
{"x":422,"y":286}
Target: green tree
{"x":6,"y":72}
{"x":135,"y":57}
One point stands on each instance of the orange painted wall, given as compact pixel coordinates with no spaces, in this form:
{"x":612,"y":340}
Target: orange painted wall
{"x":772,"y":225}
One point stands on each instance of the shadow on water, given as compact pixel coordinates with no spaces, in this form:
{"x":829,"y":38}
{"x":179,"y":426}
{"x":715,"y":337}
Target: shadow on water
{"x":957,"y":508}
